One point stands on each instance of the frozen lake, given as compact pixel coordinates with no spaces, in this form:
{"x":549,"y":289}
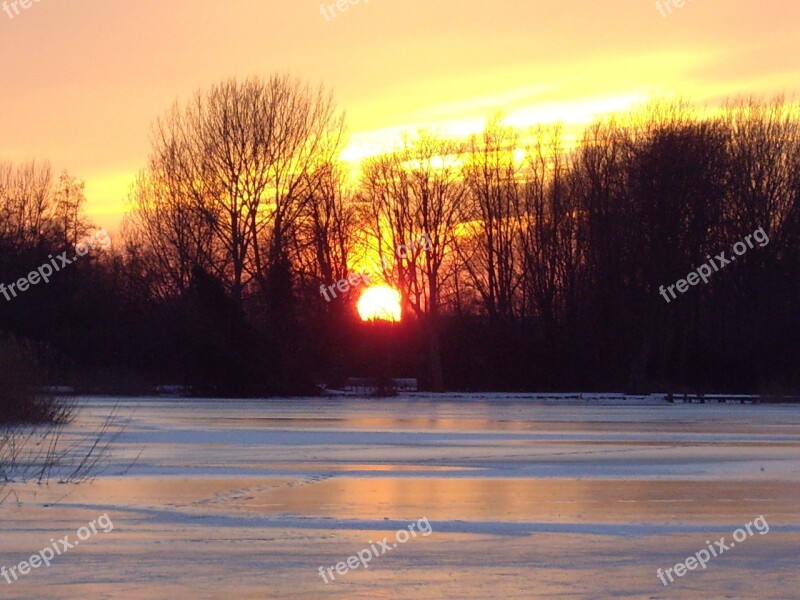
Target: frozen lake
{"x":525,"y":497}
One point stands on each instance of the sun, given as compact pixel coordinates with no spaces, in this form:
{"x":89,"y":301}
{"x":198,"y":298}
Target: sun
{"x":380,"y":303}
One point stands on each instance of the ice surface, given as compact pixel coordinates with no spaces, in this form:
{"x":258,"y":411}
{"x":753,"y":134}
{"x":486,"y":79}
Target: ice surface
{"x":529,"y":497}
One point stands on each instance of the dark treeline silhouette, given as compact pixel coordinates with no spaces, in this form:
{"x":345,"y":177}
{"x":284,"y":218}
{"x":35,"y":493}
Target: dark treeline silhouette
{"x":543,"y":271}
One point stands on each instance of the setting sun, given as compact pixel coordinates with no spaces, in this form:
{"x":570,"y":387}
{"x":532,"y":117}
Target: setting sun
{"x":380,"y":303}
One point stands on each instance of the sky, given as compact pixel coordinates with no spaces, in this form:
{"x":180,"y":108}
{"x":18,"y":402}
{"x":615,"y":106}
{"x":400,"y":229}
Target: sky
{"x":81,"y":81}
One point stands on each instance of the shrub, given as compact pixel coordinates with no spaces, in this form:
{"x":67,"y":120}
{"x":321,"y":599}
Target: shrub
{"x":22,"y":396}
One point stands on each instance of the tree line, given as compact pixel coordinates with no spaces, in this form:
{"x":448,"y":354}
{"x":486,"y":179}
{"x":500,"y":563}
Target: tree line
{"x":543,"y":270}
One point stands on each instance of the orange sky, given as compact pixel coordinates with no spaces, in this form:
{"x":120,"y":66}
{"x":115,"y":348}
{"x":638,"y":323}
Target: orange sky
{"x":82,"y":80}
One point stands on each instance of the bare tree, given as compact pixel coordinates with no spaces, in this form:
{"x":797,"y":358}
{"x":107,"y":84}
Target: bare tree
{"x":166,"y":233}
{"x":412,"y":192}
{"x":67,"y":209}
{"x":489,"y":233}
{"x":325,"y":233}
{"x":550,"y":225}
{"x":764,"y":148}
{"x":26,"y":202}
{"x":239,"y":158}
